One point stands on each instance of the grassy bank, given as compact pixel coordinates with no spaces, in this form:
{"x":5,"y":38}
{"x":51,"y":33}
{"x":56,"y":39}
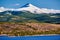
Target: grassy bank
{"x":25,"y":28}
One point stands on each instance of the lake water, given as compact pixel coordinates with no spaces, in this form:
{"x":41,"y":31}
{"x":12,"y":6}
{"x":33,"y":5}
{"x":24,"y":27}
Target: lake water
{"x":55,"y":37}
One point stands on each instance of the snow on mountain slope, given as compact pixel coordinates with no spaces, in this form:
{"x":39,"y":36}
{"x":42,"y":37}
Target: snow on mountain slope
{"x":2,"y":9}
{"x":31,"y":8}
{"x":34,"y":9}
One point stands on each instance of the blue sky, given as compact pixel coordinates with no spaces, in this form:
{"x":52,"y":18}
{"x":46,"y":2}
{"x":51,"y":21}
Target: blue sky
{"x":51,"y":4}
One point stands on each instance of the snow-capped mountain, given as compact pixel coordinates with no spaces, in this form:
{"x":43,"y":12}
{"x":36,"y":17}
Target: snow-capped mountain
{"x":34,"y":9}
{"x":31,"y":8}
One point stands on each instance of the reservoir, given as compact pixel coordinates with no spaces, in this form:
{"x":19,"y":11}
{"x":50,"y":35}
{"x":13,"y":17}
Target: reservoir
{"x":53,"y":37}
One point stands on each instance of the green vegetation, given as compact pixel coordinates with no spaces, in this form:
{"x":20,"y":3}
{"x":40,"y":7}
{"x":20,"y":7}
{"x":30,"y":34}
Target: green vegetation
{"x":26,"y":16}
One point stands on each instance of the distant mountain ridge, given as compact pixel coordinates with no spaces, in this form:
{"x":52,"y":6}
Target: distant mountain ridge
{"x":31,"y":8}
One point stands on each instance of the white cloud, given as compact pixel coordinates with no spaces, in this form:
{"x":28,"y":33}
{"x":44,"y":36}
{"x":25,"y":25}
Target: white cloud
{"x":17,"y":4}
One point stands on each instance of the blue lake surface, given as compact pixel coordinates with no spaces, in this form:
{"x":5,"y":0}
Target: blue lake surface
{"x":56,"y":37}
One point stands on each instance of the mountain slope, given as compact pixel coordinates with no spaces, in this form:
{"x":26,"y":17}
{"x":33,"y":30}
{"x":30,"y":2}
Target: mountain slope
{"x":20,"y":16}
{"x":29,"y":12}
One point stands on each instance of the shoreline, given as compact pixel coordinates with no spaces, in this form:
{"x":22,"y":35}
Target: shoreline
{"x":44,"y":35}
{"x":33,"y":35}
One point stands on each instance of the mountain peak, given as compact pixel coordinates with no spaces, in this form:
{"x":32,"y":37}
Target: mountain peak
{"x":27,"y":5}
{"x":30,"y":7}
